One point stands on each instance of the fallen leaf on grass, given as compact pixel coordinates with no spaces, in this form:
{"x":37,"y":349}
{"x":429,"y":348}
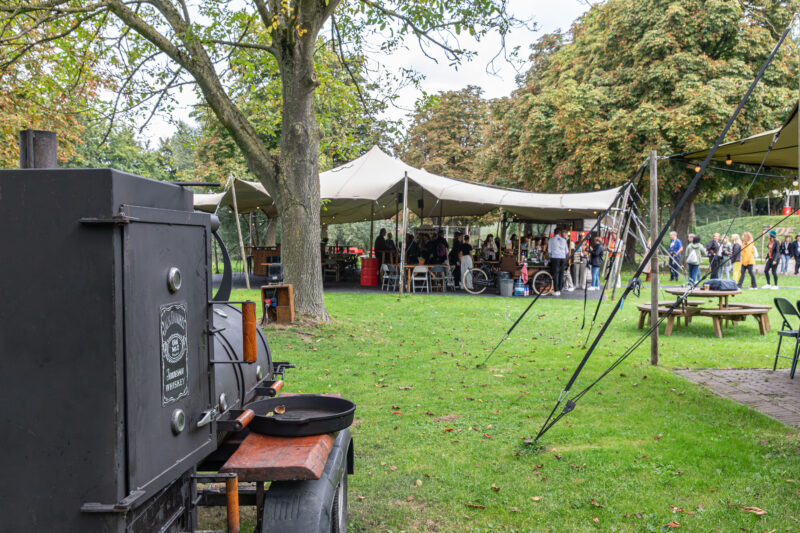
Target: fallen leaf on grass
{"x":383,"y":463}
{"x":536,"y":498}
{"x":476,"y":505}
{"x":596,"y":520}
{"x":410,"y":499}
{"x":447,"y":430}
{"x":514,"y":509}
{"x":487,"y":436}
{"x":405,"y":388}
{"x":392,"y":468}
{"x":672,"y":524}
{"x":557,"y":456}
{"x":594,"y":502}
{"x":657,"y":436}
{"x":754,"y":510}
{"x":395,"y":407}
{"x":398,"y":413}
{"x":495,"y":487}
{"x":676,"y":509}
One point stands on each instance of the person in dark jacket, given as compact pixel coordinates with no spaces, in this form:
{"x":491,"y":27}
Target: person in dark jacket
{"x":794,"y":251}
{"x":596,"y":261}
{"x":714,"y":253}
{"x":412,"y":250}
{"x":380,"y":247}
{"x":773,"y":259}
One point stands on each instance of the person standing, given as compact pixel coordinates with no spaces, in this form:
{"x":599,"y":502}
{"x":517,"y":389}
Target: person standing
{"x":773,"y":258}
{"x":596,"y":262}
{"x":786,"y":253}
{"x":380,"y":247}
{"x":736,"y":256}
{"x":727,"y":250}
{"x":558,"y":249}
{"x":714,"y":252}
{"x":694,"y":256}
{"x":795,"y":252}
{"x":675,"y":253}
{"x":748,"y":259}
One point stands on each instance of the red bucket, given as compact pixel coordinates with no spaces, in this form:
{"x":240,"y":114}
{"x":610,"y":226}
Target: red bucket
{"x":787,"y":210}
{"x":369,"y":271}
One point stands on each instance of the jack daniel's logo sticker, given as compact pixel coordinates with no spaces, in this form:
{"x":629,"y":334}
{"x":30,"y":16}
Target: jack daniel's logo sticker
{"x":174,"y":349}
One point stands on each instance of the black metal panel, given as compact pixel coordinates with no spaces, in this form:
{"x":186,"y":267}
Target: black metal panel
{"x":166,"y":346}
{"x":62,"y":407}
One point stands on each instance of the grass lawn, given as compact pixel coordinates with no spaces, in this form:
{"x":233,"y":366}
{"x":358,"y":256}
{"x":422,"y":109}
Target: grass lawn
{"x":439,"y":443}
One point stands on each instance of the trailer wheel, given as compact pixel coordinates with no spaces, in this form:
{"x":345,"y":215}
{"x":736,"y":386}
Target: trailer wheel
{"x":339,"y":511}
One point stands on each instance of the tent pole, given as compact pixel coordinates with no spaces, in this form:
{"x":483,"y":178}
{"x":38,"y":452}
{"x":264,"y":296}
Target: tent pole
{"x":239,"y":231}
{"x":654,"y":260}
{"x":441,"y":207}
{"x":371,"y":227}
{"x":405,"y":232}
{"x":502,"y":232}
{"x":396,"y":220}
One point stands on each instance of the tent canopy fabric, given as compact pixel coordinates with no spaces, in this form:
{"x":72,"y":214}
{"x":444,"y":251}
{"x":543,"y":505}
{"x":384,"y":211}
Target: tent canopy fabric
{"x":371,"y":187}
{"x":751,"y":150}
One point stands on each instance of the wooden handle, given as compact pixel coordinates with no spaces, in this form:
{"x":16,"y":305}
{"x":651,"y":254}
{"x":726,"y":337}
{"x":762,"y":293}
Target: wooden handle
{"x":275,"y":388}
{"x":249,"y":332}
{"x":243,"y":419}
{"x":232,"y":504}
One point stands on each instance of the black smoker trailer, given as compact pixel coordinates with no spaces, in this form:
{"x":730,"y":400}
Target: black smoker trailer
{"x":124,"y":384}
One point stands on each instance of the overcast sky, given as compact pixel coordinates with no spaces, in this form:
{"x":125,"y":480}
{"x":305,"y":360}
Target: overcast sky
{"x":549,"y":15}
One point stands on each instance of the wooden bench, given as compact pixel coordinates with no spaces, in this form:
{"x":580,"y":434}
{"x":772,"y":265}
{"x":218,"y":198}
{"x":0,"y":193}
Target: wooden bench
{"x":740,"y":313}
{"x":677,"y":313}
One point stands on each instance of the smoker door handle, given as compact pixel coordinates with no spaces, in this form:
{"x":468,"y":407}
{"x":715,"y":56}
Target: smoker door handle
{"x":208,"y":417}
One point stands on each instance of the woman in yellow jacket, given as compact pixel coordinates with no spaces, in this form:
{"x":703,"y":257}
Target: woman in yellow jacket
{"x":748,"y":259}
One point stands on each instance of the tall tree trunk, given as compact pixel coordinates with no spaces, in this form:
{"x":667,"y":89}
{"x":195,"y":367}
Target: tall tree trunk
{"x":685,"y":216}
{"x":298,"y":192}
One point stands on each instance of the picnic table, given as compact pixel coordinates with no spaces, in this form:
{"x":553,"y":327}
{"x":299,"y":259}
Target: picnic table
{"x":705,"y":293}
{"x":729,"y":312}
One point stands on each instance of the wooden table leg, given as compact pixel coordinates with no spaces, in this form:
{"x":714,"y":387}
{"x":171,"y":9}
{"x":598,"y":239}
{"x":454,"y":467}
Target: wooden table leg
{"x":642,"y":315}
{"x":718,"y":326}
{"x":761,"y":326}
{"x":670,"y":324}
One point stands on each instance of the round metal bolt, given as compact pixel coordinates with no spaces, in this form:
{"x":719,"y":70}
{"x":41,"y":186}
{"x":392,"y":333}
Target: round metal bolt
{"x":174,"y":279}
{"x":178,"y":421}
{"x":223,"y":403}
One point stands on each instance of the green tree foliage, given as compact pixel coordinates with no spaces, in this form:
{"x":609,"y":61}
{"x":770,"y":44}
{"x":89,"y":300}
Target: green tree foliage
{"x":446,"y":133}
{"x":118,"y":147}
{"x":47,"y":88}
{"x":636,"y":75}
{"x":347,"y":109}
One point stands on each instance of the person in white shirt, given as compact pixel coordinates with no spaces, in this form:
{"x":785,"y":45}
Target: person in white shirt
{"x":558,"y":249}
{"x":490,"y":248}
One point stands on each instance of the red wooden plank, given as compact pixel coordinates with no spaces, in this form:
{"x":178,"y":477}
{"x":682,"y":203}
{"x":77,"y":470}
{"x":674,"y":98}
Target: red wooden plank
{"x":267,"y":458}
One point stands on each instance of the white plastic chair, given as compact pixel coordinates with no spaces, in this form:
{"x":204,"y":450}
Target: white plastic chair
{"x":391,"y":278}
{"x":420,"y":278}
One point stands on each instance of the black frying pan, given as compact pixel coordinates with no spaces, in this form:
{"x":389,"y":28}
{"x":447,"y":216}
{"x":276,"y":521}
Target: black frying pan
{"x":306,"y":414}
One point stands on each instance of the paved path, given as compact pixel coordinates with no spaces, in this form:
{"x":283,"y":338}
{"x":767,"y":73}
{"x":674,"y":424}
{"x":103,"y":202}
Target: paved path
{"x":768,"y":392}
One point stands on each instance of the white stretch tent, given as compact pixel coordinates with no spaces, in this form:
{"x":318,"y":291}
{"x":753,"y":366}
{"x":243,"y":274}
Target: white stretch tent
{"x":369,"y":188}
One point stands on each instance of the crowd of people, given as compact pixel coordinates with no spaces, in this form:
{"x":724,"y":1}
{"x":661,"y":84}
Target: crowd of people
{"x":734,"y":258}
{"x":557,"y":251}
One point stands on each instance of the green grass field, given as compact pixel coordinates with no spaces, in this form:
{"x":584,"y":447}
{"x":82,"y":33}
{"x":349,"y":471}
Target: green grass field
{"x":755,"y":225}
{"x":440,"y":444}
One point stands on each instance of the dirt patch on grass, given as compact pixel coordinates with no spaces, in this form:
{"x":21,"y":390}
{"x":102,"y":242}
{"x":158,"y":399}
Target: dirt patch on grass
{"x":447,"y":418}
